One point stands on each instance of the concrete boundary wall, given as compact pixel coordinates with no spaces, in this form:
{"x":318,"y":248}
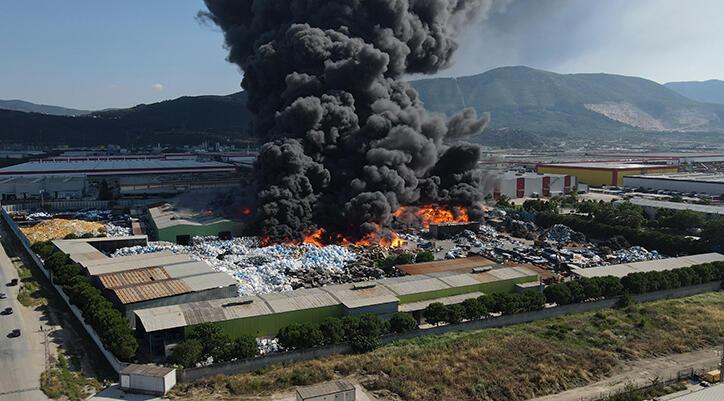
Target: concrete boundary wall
{"x":249,"y":365}
{"x":112,"y":360}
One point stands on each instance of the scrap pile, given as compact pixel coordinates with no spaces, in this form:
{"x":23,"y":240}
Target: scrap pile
{"x":562,"y":234}
{"x":635,"y":254}
{"x":52,"y":229}
{"x":273,"y":268}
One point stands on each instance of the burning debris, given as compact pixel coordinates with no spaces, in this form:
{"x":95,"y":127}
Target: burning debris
{"x":349,"y":142}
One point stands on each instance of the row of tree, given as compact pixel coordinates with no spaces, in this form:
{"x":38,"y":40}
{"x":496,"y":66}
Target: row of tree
{"x":481,"y":307}
{"x":207,"y":340}
{"x":98,"y":311}
{"x":635,"y":283}
{"x":361,"y":332}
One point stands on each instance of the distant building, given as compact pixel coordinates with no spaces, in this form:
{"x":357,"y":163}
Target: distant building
{"x":702,"y":183}
{"x":598,"y":173}
{"x":516,"y":185}
{"x":138,"y":175}
{"x":147,"y":379}
{"x":180,"y":225}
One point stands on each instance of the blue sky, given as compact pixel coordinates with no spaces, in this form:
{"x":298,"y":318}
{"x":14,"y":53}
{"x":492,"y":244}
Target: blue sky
{"x":94,"y":54}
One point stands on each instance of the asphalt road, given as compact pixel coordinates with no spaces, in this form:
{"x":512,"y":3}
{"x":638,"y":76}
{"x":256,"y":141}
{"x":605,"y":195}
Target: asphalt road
{"x":22,"y":359}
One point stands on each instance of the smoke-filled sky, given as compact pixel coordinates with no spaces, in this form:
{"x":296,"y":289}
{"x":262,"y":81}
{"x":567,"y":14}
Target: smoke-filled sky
{"x":91,"y":54}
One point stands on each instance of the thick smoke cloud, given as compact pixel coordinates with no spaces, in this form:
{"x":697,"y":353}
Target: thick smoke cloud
{"x":348,"y":142}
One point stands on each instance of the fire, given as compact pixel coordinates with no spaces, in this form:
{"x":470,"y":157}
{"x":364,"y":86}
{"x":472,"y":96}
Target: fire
{"x":433,"y":214}
{"x":380,"y":236}
{"x":315,"y":238}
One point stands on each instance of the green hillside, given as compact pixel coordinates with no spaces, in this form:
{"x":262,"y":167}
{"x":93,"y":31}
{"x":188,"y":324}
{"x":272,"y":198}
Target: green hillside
{"x":711,"y":91}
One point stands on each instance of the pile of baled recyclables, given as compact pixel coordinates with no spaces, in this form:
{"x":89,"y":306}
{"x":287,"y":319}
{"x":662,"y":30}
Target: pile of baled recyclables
{"x":283,"y":267}
{"x":45,"y":226}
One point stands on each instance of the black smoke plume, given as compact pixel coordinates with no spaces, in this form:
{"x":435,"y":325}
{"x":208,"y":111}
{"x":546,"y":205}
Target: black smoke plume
{"x":347,"y":141}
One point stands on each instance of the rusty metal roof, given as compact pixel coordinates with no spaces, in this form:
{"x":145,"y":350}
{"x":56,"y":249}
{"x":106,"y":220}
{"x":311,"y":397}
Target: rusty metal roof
{"x":153,"y":290}
{"x":133,"y":277}
{"x":461,"y":264}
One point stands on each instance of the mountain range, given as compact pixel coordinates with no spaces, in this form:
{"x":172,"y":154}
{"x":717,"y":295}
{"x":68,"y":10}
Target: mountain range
{"x":711,"y":91}
{"x":529,"y":102}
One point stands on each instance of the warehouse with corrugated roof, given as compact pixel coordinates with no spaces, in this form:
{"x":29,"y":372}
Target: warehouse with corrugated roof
{"x":264,"y":315}
{"x":624,"y":269}
{"x":147,"y":280}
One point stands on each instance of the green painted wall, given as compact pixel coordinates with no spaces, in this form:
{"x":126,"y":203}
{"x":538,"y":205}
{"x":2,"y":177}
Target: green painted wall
{"x":487,"y":288}
{"x":169,"y":233}
{"x":268,"y":325}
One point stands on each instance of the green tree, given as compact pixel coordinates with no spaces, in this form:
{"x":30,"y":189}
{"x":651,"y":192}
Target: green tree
{"x":635,"y":283}
{"x":577,"y":292}
{"x":558,"y":293}
{"x":300,"y":336}
{"x":332,"y":330}
{"x":364,"y":343}
{"x":531,"y":300}
{"x":454,"y":313}
{"x":424,"y":256}
{"x":434,"y":313}
{"x":680,"y":220}
{"x":215,"y":342}
{"x":405,"y":259}
{"x":610,"y":286}
{"x":713,"y":234}
{"x":473,"y":309}
{"x":187,"y":353}
{"x":504,"y":202}
{"x":402,"y":322}
{"x":244,"y":347}
{"x":591,"y":288}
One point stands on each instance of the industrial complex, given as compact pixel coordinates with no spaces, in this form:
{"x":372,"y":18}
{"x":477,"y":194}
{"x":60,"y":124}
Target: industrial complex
{"x":704,"y":183}
{"x":168,"y":223}
{"x":600,"y":173}
{"x":80,"y":177}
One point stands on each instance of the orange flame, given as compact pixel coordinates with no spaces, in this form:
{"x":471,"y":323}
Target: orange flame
{"x":315,"y":238}
{"x":433,"y":214}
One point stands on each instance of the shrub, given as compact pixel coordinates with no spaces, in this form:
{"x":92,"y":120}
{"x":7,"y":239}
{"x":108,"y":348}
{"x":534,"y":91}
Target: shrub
{"x":474,"y":309}
{"x":424,"y":256}
{"x":434,"y":313}
{"x":187,"y":353}
{"x":626,"y":300}
{"x":402,"y":322}
{"x":558,"y":293}
{"x":332,"y":330}
{"x":405,"y":259}
{"x":244,"y":347}
{"x":454,"y":313}
{"x":300,"y":335}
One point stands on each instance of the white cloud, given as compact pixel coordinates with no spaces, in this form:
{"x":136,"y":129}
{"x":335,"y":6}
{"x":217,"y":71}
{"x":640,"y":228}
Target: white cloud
{"x":157,"y":87}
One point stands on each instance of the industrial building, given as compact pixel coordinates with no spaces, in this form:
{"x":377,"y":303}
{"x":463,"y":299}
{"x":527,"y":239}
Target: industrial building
{"x":76,"y":177}
{"x":167,"y":223}
{"x":263,"y":315}
{"x":624,"y":269}
{"x":600,"y":173}
{"x":147,"y":379}
{"x":338,"y":390}
{"x":701,"y":183}
{"x":713,"y":393}
{"x":146,"y":280}
{"x":447,"y":265}
{"x":652,"y":207}
{"x":516,"y":185}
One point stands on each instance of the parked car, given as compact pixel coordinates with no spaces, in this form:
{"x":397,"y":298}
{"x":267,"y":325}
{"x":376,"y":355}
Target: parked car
{"x":2,"y":295}
{"x":13,"y":282}
{"x":7,"y":311}
{"x":14,"y":333}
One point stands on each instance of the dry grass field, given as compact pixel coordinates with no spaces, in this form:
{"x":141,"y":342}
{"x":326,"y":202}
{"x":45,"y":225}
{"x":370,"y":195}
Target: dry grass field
{"x":513,"y":363}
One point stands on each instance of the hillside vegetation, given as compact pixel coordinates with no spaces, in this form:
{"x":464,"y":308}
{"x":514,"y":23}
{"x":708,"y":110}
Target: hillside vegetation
{"x":513,"y":363}
{"x":527,"y":107}
{"x":711,"y":91}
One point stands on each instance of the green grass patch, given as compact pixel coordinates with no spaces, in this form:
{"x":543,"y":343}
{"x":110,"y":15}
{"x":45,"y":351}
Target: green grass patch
{"x":510,"y":363}
{"x":60,"y":382}
{"x":31,"y":293}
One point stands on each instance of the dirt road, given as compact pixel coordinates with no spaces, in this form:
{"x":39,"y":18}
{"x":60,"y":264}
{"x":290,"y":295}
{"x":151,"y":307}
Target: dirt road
{"x":640,"y":373}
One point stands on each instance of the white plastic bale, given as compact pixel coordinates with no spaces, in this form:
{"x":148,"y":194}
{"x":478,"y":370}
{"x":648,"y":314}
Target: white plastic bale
{"x":258,"y":269}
